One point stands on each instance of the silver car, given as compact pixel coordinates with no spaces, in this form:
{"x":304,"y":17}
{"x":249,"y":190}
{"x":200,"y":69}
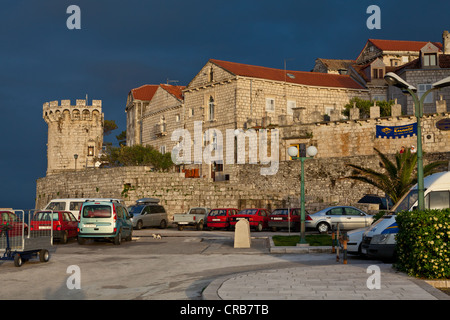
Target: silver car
{"x":349,"y":218}
{"x":148,"y":213}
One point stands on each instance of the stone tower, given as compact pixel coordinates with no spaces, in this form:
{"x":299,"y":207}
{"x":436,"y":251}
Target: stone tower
{"x":75,"y":134}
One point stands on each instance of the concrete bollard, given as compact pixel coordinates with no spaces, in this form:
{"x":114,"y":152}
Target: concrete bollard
{"x":242,"y":234}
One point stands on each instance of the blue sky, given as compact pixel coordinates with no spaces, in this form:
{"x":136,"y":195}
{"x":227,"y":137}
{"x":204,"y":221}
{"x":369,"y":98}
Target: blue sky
{"x":125,"y":44}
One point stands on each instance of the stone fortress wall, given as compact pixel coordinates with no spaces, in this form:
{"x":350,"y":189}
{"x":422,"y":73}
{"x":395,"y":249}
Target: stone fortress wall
{"x":339,"y":142}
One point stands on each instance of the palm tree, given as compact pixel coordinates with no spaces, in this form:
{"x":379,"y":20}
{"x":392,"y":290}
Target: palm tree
{"x":398,"y":176}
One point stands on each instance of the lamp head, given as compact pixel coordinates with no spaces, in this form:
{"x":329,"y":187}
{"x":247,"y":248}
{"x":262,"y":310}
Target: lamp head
{"x":311,"y":151}
{"x":393,"y":79}
{"x":441,"y":83}
{"x":292,"y":151}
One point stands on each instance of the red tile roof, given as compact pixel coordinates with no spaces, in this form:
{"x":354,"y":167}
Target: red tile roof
{"x":176,"y":91}
{"x":144,"y":92}
{"x":398,"y":45}
{"x":289,"y":76}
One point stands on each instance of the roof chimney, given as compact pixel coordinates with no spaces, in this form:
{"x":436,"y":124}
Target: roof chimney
{"x":446,"y":42}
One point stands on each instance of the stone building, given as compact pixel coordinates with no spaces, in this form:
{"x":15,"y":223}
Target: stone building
{"x":75,"y":134}
{"x":431,"y":66}
{"x":233,"y":96}
{"x":153,"y":111}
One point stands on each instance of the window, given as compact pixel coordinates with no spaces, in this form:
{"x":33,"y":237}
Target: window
{"x":421,"y":89}
{"x":211,"y":75}
{"x":90,"y":151}
{"x":352,"y":212}
{"x":270,"y":104}
{"x":163,"y":124}
{"x":211,"y":109}
{"x":162,"y":149}
{"x":334,"y":212}
{"x":429,"y":59}
{"x":437,"y":200}
{"x":177,"y":118}
{"x":291,"y":104}
{"x":378,"y":73}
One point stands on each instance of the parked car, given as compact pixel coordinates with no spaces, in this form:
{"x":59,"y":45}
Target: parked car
{"x":285,"y":218}
{"x":148,"y":213}
{"x":220,"y":217}
{"x":70,"y":204}
{"x":196,"y":216}
{"x":63,"y":222}
{"x":258,"y":218}
{"x":355,"y":238}
{"x":379,"y":241}
{"x":11,"y":222}
{"x":384,"y":203}
{"x":349,"y":218}
{"x":104,"y":220}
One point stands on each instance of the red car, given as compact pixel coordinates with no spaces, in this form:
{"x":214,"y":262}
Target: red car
{"x":220,"y":218}
{"x":257,"y":217}
{"x":64,"y":224}
{"x":280,"y":218}
{"x":11,"y":222}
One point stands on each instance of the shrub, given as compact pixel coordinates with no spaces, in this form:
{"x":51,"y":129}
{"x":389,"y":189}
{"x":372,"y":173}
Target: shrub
{"x":422,"y":243}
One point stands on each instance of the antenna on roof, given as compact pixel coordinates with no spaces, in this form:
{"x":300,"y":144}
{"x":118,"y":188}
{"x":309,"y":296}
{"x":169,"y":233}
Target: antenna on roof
{"x":285,"y":67}
{"x":168,"y":81}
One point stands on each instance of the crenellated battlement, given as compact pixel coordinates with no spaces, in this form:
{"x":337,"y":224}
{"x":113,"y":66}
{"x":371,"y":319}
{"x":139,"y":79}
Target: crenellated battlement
{"x":67,"y":103}
{"x":55,"y":110}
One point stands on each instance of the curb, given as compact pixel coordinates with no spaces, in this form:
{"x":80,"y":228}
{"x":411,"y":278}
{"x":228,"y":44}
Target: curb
{"x":298,"y":249}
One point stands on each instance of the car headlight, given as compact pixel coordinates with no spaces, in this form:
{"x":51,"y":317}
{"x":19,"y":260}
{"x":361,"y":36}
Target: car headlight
{"x":380,"y":238}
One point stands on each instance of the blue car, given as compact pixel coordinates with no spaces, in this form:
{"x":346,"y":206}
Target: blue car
{"x":104,"y":219}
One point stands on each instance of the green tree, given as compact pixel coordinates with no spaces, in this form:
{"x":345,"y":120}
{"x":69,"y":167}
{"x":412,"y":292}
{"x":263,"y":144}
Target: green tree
{"x":364,"y":107}
{"x":397,"y":177}
{"x":109,"y":126}
{"x":122,"y":138}
{"x":137,"y":155}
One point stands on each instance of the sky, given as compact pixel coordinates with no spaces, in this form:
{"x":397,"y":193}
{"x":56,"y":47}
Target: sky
{"x":122,"y":45}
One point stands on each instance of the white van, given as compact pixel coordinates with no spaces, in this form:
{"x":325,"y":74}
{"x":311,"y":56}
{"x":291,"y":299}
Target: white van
{"x":71,"y":204}
{"x":379,"y":239}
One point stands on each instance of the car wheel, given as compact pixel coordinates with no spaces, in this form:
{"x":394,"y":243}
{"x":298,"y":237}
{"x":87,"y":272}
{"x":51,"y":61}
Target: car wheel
{"x":180,"y":228}
{"x":18,"y":260}
{"x":139,"y":225}
{"x":118,"y":238}
{"x":163,"y":224}
{"x":259,"y":227}
{"x":200,"y":226}
{"x":323,"y":227}
{"x":44,"y":255}
{"x":81,"y":240}
{"x":274,"y":229}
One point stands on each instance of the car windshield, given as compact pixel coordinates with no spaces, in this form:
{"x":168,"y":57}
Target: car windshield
{"x":197,"y":211}
{"x":280,"y":212}
{"x":45,"y":216}
{"x":137,"y":209}
{"x":248,"y":211}
{"x":218,"y":212}
{"x":96,"y":211}
{"x":407,"y":201}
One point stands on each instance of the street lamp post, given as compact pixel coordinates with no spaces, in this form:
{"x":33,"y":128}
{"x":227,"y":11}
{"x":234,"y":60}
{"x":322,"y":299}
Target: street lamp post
{"x":394,"y":80}
{"x":310,"y":152}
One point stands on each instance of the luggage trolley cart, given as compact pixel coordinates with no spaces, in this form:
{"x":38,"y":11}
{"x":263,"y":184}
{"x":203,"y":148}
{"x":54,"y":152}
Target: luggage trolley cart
{"x":25,"y":236}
